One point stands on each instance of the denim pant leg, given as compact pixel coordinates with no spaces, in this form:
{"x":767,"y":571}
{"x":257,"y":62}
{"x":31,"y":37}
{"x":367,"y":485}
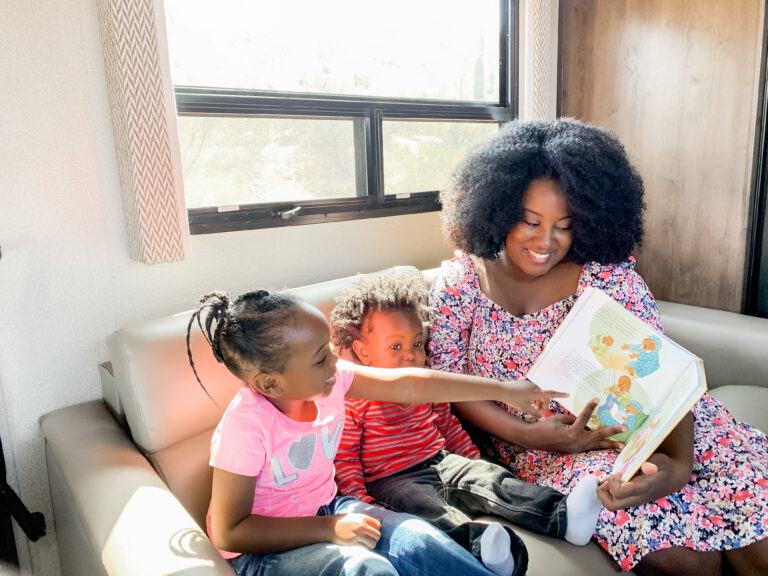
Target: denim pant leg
{"x":481,"y":487}
{"x":414,"y":547}
{"x":322,"y":559}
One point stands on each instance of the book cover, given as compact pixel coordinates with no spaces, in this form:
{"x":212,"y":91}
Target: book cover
{"x":642,"y":379}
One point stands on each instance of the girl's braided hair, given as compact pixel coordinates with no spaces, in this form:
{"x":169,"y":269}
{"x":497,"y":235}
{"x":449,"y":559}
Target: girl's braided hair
{"x":245,"y":334}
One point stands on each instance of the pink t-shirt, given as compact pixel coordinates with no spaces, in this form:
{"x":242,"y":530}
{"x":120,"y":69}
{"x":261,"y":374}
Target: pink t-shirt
{"x":292,"y":461}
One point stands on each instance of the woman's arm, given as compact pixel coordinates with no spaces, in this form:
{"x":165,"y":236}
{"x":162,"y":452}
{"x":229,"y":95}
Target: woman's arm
{"x":559,"y":433}
{"x":421,"y":385}
{"x":235,"y":529}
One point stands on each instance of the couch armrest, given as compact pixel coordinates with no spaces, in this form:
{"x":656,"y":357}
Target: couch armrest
{"x":113,"y":514}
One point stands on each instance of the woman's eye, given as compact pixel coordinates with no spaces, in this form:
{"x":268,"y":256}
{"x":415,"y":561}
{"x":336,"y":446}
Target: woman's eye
{"x":564,"y":228}
{"x":531,"y":224}
{"x":322,"y":360}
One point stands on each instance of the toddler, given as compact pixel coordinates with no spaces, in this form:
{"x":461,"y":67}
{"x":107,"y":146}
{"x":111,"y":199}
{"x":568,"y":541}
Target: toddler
{"x":416,"y":458}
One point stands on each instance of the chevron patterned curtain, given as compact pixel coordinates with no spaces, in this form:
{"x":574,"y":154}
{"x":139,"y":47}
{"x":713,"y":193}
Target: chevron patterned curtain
{"x":540,"y":60}
{"x":144,"y":120}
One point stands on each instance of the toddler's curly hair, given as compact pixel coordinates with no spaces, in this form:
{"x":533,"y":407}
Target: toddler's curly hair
{"x":402,"y":291}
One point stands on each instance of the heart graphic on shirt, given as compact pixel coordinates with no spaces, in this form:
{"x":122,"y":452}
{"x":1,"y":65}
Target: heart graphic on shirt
{"x":301,"y":452}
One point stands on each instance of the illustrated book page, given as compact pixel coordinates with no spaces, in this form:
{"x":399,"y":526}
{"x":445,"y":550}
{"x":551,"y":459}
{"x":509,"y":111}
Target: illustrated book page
{"x":642,"y":379}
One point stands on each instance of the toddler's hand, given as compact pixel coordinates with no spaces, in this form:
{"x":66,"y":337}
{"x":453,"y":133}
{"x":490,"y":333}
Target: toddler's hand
{"x":528,"y":397}
{"x":356,"y":530}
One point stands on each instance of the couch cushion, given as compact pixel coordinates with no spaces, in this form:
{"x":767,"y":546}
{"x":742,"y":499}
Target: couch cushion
{"x":746,"y":403}
{"x":103,"y":491}
{"x":169,"y":415}
{"x":162,"y":400}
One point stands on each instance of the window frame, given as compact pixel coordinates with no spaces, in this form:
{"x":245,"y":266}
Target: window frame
{"x":368,"y":114}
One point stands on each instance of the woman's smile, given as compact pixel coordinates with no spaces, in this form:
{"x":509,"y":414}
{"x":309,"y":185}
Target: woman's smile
{"x":539,"y":257}
{"x":544,"y":236}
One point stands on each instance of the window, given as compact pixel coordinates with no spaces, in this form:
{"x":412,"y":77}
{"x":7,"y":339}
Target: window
{"x":305,"y":112}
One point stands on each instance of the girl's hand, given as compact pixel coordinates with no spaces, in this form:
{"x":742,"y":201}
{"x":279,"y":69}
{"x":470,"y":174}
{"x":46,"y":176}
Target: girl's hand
{"x":564,"y":433}
{"x":356,"y":530}
{"x":658,"y":477}
{"x":528,"y":397}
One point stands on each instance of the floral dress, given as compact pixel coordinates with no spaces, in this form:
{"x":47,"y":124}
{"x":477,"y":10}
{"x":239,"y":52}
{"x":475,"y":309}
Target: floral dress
{"x":725,"y":503}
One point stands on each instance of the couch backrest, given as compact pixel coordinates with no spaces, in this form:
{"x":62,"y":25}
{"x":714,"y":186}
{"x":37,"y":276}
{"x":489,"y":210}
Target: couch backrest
{"x":170,"y":417}
{"x":734,"y":347}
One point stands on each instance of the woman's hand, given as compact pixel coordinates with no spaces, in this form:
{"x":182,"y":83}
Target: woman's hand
{"x":528,"y":397}
{"x":564,"y":433}
{"x":658,"y":477}
{"x":665,"y":472}
{"x":356,"y":529}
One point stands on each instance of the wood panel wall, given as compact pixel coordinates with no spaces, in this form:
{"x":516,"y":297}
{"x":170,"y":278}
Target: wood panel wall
{"x":677,"y":80}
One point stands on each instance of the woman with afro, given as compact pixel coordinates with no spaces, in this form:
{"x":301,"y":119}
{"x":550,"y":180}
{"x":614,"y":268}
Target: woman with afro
{"x":538,"y":213}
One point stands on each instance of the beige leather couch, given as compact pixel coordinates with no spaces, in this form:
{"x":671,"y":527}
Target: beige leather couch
{"x":129,"y":476}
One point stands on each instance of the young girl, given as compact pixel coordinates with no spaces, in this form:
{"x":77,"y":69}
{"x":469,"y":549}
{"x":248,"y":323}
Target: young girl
{"x":274,"y":508}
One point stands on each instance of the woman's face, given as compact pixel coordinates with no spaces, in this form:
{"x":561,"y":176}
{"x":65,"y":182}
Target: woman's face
{"x":544,"y":236}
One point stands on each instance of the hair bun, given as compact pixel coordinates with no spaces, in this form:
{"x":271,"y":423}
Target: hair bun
{"x":217,"y":301}
{"x":256,"y":295}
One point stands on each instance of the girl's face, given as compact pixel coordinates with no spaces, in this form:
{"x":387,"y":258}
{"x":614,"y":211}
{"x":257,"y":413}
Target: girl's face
{"x":392,"y":340}
{"x":544,"y":236}
{"x":310,"y":370}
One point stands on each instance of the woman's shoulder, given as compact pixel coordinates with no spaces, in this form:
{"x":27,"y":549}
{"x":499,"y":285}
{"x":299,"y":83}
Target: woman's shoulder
{"x":460,"y":269}
{"x":457,"y":279}
{"x":622,"y":283}
{"x":610,"y":277}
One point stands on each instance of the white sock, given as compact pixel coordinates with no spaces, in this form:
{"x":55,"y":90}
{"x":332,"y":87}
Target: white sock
{"x":583,"y":507}
{"x":495,"y":550}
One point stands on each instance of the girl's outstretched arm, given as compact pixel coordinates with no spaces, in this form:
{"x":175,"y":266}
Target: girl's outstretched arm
{"x":235,"y":529}
{"x":421,"y":385}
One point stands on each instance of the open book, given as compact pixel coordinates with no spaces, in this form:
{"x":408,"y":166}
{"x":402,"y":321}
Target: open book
{"x":641,"y":378}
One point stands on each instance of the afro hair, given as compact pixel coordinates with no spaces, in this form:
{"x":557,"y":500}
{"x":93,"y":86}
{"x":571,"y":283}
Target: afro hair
{"x":602,"y":188}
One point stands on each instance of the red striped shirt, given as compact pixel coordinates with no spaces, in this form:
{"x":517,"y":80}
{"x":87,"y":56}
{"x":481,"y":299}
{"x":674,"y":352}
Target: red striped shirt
{"x":383,"y":438}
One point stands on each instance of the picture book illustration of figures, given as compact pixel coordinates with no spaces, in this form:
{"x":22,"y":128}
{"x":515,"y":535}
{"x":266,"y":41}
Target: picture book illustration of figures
{"x":642,"y":379}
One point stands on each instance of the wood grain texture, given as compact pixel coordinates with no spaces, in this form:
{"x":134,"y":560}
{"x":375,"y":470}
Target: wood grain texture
{"x":677,"y":81}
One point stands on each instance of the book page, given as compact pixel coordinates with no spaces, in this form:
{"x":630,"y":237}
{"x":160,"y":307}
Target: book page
{"x":661,"y":421}
{"x":603,"y":351}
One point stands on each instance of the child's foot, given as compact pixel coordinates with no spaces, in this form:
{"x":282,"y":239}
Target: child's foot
{"x":583,"y":507}
{"x":495,"y":550}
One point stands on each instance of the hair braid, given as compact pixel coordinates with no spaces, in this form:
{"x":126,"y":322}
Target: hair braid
{"x":249,"y":331}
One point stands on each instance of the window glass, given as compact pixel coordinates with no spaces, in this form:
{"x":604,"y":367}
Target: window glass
{"x":233,"y":161}
{"x":306,"y":112}
{"x":423,"y":49}
{"x":419,"y":156}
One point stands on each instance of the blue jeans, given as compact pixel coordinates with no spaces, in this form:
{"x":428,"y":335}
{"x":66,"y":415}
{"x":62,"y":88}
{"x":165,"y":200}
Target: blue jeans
{"x":408,"y":546}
